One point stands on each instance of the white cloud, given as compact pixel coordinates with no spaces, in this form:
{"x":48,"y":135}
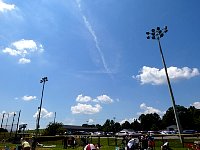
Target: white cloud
{"x":155,"y":76}
{"x":83,"y":99}
{"x":85,"y":109}
{"x":28,"y":98}
{"x":130,"y":120}
{"x":148,"y":110}
{"x":24,"y":61}
{"x":7,"y":114}
{"x":90,"y":121}
{"x":10,"y":51}
{"x":23,"y":48}
{"x":44,"y":114}
{"x":196,"y":105}
{"x":100,"y":99}
{"x":6,"y":7}
{"x":103,"y":99}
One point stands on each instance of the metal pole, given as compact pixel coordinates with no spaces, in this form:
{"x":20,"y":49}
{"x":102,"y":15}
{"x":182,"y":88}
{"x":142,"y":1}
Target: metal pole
{"x":171,"y":93}
{"x":40,"y":107}
{"x":54,"y":118}
{"x":12,"y":124}
{"x":17,"y":124}
{"x":2,"y":120}
{"x":38,"y":120}
{"x":7,"y":121}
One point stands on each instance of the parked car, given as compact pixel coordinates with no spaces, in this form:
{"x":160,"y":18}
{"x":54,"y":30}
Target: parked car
{"x":189,"y":131}
{"x":167,"y":132}
{"x":122,"y":133}
{"x":153,"y":132}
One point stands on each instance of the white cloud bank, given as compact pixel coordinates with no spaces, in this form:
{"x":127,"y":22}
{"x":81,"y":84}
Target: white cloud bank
{"x":90,"y":121}
{"x":155,"y":76}
{"x":130,"y":120}
{"x":85,"y":109}
{"x":99,"y":99}
{"x":23,"y":48}
{"x":83,"y":99}
{"x":196,"y":105}
{"x":28,"y":98}
{"x":148,"y":110}
{"x":44,"y":114}
{"x":88,"y":108}
{"x":104,"y":99}
{"x":6,"y":7}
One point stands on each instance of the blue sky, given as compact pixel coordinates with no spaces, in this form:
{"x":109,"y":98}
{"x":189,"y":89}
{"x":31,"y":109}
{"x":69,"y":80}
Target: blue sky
{"x":97,"y":59}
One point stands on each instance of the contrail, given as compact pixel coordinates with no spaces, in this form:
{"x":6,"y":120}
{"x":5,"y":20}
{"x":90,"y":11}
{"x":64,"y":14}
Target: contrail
{"x":92,"y":32}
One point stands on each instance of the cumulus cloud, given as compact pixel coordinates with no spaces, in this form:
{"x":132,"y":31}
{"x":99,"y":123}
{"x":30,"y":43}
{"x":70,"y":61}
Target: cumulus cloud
{"x":5,"y":114}
{"x":85,"y":109}
{"x":44,"y":114}
{"x":155,"y":76}
{"x":23,"y":48}
{"x":6,"y":7}
{"x":28,"y":98}
{"x":103,"y":99}
{"x":196,"y":105}
{"x":99,"y":99}
{"x":24,"y":61}
{"x":148,"y":110}
{"x":130,"y":120}
{"x":90,"y":121}
{"x":83,"y":99}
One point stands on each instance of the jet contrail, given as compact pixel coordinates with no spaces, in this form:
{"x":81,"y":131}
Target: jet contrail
{"x":92,"y":32}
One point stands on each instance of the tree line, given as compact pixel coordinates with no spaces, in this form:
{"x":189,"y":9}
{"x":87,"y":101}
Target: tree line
{"x":189,"y":120}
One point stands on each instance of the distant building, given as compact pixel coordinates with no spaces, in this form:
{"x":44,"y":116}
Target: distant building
{"x":73,"y":128}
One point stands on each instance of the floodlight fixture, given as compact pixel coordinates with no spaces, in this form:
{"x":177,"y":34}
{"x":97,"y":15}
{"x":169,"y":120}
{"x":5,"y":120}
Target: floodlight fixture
{"x":156,"y":33}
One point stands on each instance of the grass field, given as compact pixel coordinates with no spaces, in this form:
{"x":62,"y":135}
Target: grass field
{"x":105,"y":144}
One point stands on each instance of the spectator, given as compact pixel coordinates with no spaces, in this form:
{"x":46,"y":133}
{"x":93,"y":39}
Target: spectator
{"x":25,"y":144}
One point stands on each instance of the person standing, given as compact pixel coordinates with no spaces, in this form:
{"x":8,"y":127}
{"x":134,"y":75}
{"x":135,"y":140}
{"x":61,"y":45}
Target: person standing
{"x":25,"y":144}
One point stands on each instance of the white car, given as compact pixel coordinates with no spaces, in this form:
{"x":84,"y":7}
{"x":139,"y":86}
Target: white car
{"x":122,"y":133}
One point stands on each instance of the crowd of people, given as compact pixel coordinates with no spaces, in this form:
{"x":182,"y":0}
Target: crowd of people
{"x":141,"y":142}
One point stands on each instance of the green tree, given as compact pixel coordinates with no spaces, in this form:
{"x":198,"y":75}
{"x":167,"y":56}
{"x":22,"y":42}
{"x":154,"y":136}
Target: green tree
{"x":126,"y":125}
{"x":135,"y":125}
{"x":150,"y":121}
{"x":117,"y":127}
{"x":53,"y":129}
{"x":107,"y":126}
{"x":3,"y":130}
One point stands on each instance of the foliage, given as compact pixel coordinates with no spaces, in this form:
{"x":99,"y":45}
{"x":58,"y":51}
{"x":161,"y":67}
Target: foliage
{"x":53,"y":129}
{"x":189,"y":119}
{"x":3,"y":130}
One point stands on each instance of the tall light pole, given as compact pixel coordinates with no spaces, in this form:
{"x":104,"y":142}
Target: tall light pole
{"x":54,"y":117}
{"x":2,"y":120}
{"x":12,"y":123}
{"x":43,"y":80}
{"x":156,"y":34}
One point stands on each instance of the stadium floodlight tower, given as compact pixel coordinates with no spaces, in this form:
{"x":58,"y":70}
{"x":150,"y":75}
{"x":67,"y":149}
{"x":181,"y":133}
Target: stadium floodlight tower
{"x":157,"y":34}
{"x":43,"y":80}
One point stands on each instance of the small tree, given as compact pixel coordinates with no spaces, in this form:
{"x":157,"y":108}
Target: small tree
{"x":53,"y":129}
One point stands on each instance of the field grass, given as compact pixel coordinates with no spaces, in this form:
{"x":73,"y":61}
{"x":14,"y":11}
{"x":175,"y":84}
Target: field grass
{"x":106,"y":144}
